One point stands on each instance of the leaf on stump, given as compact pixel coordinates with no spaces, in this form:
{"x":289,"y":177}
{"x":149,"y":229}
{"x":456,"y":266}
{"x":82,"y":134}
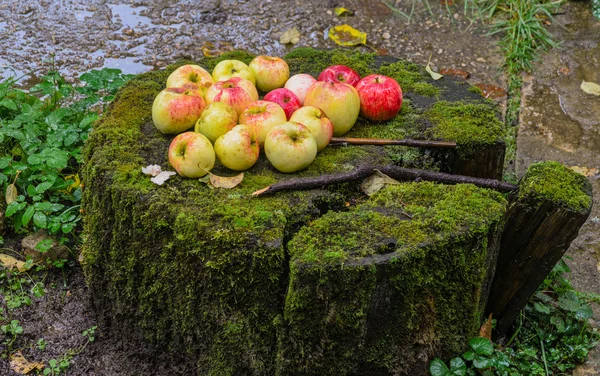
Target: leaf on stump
{"x":290,"y":36}
{"x":486,"y":329}
{"x":436,"y":76}
{"x":343,"y":12}
{"x":376,"y":182}
{"x":491,"y":91}
{"x":20,"y":365}
{"x":11,"y":194}
{"x":158,"y":176}
{"x":590,"y":88}
{"x":346,"y":35}
{"x":455,"y":72}
{"x":10,"y":262}
{"x":226,"y":182}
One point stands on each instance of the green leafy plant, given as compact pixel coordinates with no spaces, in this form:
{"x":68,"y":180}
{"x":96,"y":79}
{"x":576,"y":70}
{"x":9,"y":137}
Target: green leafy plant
{"x":41,"y":344}
{"x":11,"y":331}
{"x":42,"y":133}
{"x":551,"y":336}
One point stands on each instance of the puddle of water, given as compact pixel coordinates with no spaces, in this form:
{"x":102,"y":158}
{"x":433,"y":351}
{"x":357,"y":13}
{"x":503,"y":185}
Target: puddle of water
{"x":126,"y":65}
{"x":130,"y":16}
{"x":81,"y":15}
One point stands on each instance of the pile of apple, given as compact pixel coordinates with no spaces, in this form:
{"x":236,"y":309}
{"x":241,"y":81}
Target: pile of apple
{"x":296,"y":118}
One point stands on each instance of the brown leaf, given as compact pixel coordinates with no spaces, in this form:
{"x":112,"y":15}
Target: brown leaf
{"x":346,"y":35}
{"x":290,"y":36}
{"x":210,"y":49}
{"x":10,"y":262}
{"x":20,"y":365}
{"x":455,"y":72}
{"x":376,"y":182}
{"x":226,"y":182}
{"x":585,"y":171}
{"x":382,"y":52}
{"x":486,"y":329}
{"x":564,"y":71}
{"x":11,"y":193}
{"x":491,"y":91}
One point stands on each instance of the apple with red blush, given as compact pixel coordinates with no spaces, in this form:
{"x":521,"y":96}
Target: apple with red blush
{"x":339,"y":74}
{"x":175,"y":110}
{"x":299,"y":84}
{"x":286,"y":99}
{"x":261,"y":116}
{"x":270,"y":72}
{"x":339,"y":102}
{"x":380,"y":97}
{"x":236,"y":92}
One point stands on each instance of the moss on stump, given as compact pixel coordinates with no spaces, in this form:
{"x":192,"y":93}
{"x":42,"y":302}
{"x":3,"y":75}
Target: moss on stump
{"x":298,"y":281}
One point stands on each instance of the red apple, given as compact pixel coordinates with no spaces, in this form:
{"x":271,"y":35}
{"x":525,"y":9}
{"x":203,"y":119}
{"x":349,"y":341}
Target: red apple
{"x":261,"y":116}
{"x":380,"y":97}
{"x":339,"y":74}
{"x":286,"y":99}
{"x":236,"y":92}
{"x":176,"y":109}
{"x":317,"y":123}
{"x":270,"y":72}
{"x":191,"y":154}
{"x":299,"y":84}
{"x":340,"y":102}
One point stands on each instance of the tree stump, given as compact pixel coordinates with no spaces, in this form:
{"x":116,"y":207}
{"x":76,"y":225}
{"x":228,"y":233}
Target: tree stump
{"x":325,"y":279}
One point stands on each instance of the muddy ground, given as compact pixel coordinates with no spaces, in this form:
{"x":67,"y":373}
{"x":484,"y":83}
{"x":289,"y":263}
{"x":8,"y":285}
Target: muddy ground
{"x":139,"y":35}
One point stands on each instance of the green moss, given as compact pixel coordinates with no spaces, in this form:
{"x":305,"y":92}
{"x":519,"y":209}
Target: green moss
{"x":472,"y":125}
{"x":554,"y":182}
{"x":410,"y":76}
{"x":475,"y":89}
{"x":308,"y":60}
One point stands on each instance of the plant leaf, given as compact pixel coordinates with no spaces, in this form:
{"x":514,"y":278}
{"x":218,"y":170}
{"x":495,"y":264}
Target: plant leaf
{"x":590,"y":88}
{"x":376,"y":182}
{"x":20,"y":365}
{"x":437,"y":367}
{"x":457,"y":366}
{"x":343,"y":12}
{"x":481,"y":346}
{"x":486,"y":329}
{"x":11,"y":194}
{"x":10,"y":262}
{"x":226,"y":182}
{"x":290,"y":36}
{"x":162,"y":177}
{"x":434,"y":75}
{"x":346,"y":35}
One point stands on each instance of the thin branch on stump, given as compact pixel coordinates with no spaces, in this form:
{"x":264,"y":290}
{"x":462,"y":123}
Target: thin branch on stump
{"x":405,"y":142}
{"x":399,"y":173}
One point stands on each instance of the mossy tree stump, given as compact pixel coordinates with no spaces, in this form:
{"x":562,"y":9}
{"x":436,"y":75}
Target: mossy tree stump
{"x":324,"y":281}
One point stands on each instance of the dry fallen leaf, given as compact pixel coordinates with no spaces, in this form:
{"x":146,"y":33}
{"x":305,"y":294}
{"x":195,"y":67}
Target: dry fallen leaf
{"x":10,"y":262}
{"x":346,"y":35}
{"x":434,"y":75}
{"x":158,"y":176}
{"x":455,"y":72}
{"x":491,"y":91}
{"x":290,"y":36}
{"x":227,"y":182}
{"x":486,"y":329}
{"x":11,"y":194}
{"x":343,"y":12}
{"x":20,"y":365}
{"x":585,"y":171}
{"x":151,"y":170}
{"x":375,"y":182}
{"x":564,"y":71}
{"x":590,"y":88}
{"x":210,"y":49}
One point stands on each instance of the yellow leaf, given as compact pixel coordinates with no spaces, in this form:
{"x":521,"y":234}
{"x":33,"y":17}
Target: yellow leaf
{"x":590,"y":88}
{"x":11,"y":193}
{"x":76,"y":182}
{"x":375,"y":182}
{"x":290,"y":36}
{"x":343,"y":11}
{"x":434,"y":75}
{"x":585,"y":171}
{"x":227,"y":182}
{"x":20,"y":365}
{"x":10,"y":262}
{"x":346,"y":35}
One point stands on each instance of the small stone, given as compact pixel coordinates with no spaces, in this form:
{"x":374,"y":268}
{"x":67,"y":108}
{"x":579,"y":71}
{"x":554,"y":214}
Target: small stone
{"x":54,"y":250}
{"x":386,"y":35}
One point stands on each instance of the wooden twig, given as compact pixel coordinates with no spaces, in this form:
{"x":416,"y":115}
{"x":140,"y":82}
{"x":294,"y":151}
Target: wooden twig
{"x":399,"y":173}
{"x":405,"y":142}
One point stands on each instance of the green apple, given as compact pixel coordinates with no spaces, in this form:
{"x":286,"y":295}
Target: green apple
{"x":261,"y":117}
{"x":340,"y":102}
{"x":237,"y":149}
{"x":290,"y":147}
{"x":192,"y":77}
{"x":317,"y":123}
{"x":271,"y":72}
{"x":176,"y":110}
{"x":236,"y":92}
{"x":191,"y":154}
{"x":216,"y":120}
{"x":227,"y":69}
